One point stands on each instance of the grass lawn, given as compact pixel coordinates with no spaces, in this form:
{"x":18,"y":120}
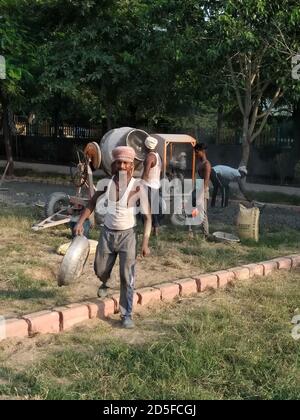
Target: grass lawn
{"x":271,"y":197}
{"x":231,"y":344}
{"x":29,"y":264}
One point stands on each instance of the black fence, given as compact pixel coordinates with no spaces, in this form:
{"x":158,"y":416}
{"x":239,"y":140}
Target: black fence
{"x":47,"y":129}
{"x":59,"y":151}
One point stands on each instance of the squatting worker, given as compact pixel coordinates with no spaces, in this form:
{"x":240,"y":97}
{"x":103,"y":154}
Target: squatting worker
{"x":125,"y":196}
{"x":204,"y":172}
{"x":151,"y":178}
{"x":222,"y":176}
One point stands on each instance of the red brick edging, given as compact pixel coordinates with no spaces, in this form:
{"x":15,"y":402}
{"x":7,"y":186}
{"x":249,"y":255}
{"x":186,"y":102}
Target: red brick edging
{"x":63,"y":318}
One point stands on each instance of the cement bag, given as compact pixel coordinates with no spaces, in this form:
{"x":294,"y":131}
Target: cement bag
{"x":248,"y":223}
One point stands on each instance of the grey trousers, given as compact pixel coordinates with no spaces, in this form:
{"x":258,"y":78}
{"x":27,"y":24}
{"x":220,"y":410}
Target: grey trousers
{"x":111,"y":244}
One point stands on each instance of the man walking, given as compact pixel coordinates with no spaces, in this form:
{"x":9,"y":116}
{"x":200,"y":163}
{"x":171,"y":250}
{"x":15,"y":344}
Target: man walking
{"x":118,"y":234}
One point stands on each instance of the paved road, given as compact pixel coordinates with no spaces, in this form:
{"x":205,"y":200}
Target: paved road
{"x":58,"y":169}
{"x":28,"y":193}
{"x":272,"y":218}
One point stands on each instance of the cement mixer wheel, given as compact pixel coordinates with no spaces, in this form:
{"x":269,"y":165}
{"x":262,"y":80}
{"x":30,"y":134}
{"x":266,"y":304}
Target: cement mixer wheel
{"x":178,"y":219}
{"x":56,"y":202}
{"x":79,"y":172}
{"x":92,"y":152}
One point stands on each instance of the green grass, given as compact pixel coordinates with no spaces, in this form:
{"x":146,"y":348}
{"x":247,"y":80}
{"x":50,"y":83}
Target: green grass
{"x":233,"y":344}
{"x":23,"y":251}
{"x":274,"y":197}
{"x":28,"y":267}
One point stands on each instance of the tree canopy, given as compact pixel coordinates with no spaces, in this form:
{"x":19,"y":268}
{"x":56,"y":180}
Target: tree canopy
{"x":140,"y":62}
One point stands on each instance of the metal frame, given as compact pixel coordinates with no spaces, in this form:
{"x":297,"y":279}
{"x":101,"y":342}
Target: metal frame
{"x":166,"y":143}
{"x":77,"y":199}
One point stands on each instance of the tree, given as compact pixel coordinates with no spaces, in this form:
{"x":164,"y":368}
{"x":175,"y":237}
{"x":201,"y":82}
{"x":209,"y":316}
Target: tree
{"x":132,"y":55}
{"x":247,"y":37}
{"x":15,"y":47}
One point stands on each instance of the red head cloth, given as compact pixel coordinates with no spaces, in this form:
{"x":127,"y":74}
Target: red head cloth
{"x":124,"y":154}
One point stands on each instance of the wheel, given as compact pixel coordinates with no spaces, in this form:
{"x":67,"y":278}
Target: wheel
{"x":74,"y":261}
{"x":56,"y":202}
{"x":93,"y":154}
{"x":178,"y":219}
{"x":79,"y":171}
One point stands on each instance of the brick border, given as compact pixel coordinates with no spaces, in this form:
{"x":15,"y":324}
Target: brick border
{"x":63,"y":318}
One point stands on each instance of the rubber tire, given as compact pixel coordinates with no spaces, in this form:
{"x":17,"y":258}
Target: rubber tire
{"x":74,"y":261}
{"x":55,"y":202}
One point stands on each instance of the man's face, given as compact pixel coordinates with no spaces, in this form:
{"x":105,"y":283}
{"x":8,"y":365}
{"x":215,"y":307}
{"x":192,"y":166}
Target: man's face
{"x":122,"y":166}
{"x":199,"y":154}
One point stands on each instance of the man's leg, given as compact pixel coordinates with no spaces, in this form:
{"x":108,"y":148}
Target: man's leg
{"x":216,"y":186}
{"x":155,"y":209}
{"x":226,"y":195}
{"x":154,"y":201}
{"x":223,"y":184}
{"x":104,"y":260}
{"x":127,"y":256}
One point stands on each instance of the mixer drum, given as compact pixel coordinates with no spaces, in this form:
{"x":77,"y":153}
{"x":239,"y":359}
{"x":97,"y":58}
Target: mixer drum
{"x":124,"y":136}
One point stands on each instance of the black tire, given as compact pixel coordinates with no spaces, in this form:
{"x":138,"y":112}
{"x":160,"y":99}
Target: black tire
{"x":56,"y":202}
{"x":74,"y":261}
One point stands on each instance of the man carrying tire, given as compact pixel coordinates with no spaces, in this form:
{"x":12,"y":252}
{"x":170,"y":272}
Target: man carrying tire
{"x":125,"y":197}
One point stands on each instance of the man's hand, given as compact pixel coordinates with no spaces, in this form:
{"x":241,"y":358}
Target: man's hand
{"x":78,"y":229}
{"x":195,"y":212}
{"x":145,"y":251}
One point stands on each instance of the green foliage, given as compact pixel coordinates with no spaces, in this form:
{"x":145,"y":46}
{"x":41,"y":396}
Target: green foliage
{"x":138,"y":60}
{"x":231,"y":345}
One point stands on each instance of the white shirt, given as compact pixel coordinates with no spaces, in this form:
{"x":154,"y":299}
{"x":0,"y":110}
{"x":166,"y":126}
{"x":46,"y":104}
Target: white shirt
{"x":118,"y":215}
{"x":154,"y":174}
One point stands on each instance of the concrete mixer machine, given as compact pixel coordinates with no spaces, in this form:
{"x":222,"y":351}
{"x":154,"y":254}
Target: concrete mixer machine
{"x":60,"y":207}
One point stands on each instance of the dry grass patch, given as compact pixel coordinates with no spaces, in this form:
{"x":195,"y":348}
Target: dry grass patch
{"x":29,"y":263}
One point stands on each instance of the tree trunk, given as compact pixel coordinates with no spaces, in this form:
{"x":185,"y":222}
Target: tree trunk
{"x":245,"y":143}
{"x":7,"y":141}
{"x":7,"y":130}
{"x":245,"y":154}
{"x":296,"y":122}
{"x":220,"y":123}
